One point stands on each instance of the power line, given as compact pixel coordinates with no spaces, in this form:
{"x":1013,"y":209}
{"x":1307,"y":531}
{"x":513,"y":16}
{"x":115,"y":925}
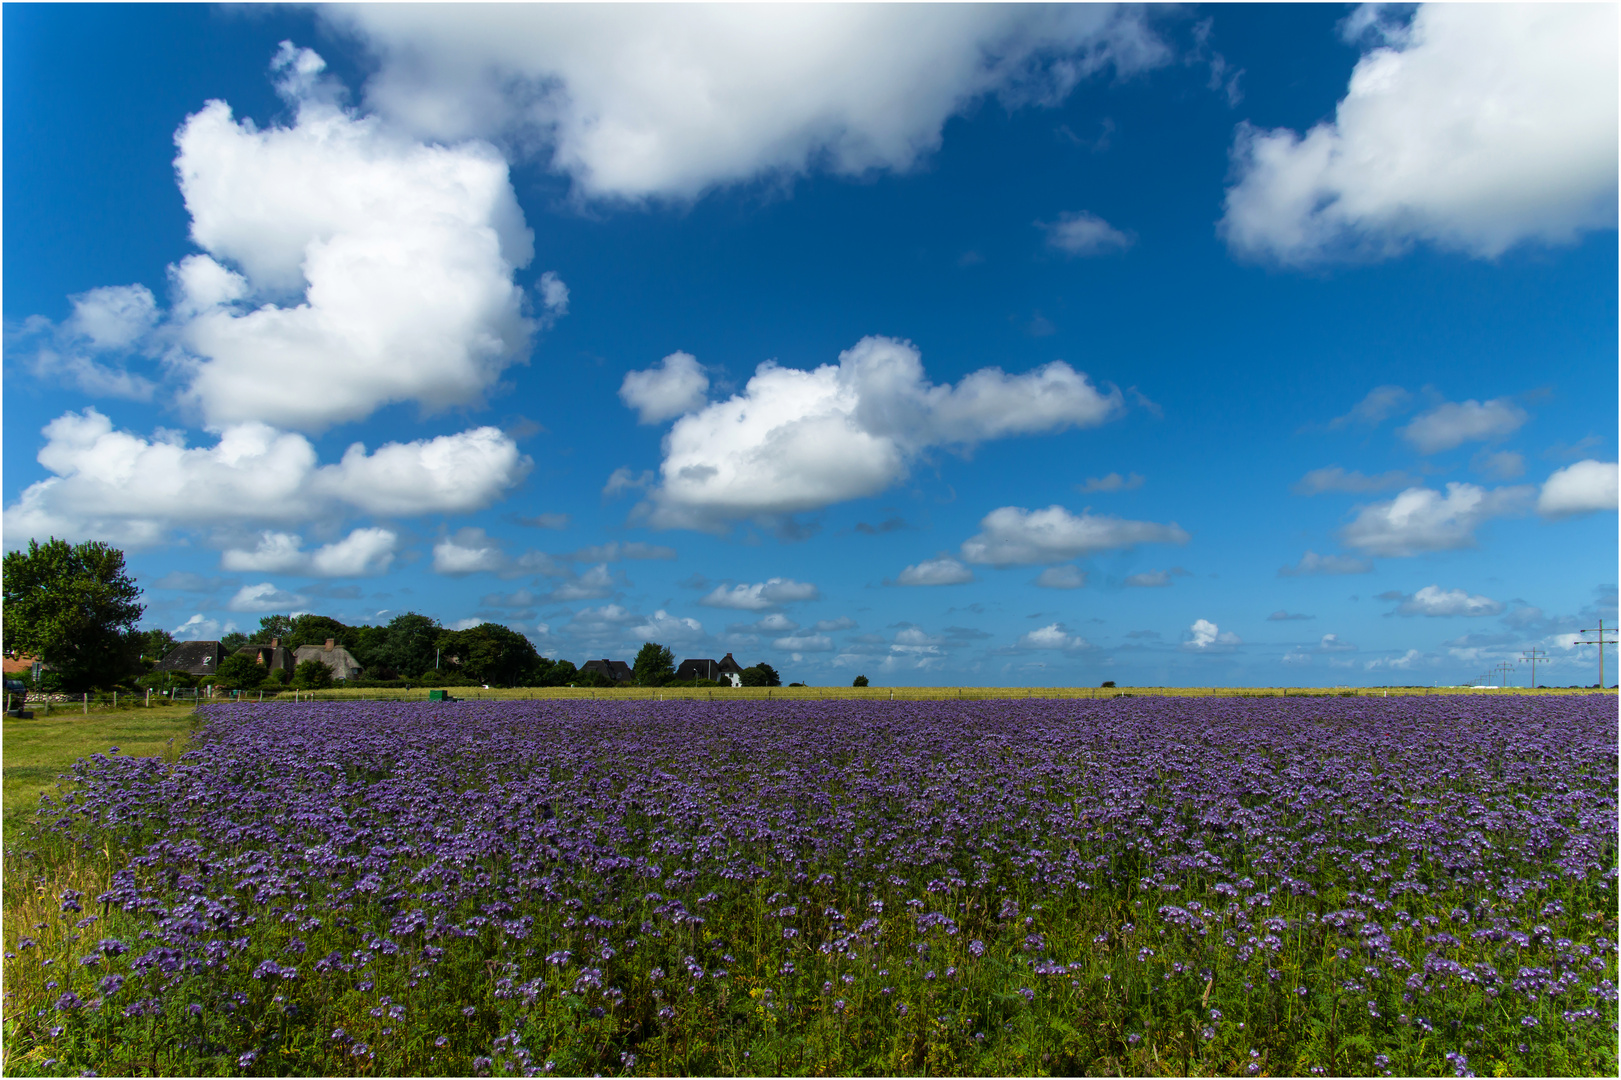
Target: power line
{"x":1532,"y":657}
{"x":1503,"y":669}
{"x":1601,"y":642}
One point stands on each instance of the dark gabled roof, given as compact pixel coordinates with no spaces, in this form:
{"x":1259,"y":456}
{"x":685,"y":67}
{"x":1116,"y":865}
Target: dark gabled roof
{"x":617,"y":670}
{"x":190,"y":656}
{"x":701,"y":668}
{"x":728,"y":665}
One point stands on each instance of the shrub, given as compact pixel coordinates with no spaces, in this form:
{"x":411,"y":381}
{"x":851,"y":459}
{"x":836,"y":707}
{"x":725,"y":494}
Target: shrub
{"x":860,"y":680}
{"x":312,"y":675}
{"x":240,"y":672}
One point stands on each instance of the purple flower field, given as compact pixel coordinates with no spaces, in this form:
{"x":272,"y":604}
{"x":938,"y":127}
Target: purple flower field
{"x":1150,"y":885}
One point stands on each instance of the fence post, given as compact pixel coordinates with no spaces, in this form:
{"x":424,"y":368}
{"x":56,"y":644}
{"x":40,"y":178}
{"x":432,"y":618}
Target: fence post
{"x":87,"y":703}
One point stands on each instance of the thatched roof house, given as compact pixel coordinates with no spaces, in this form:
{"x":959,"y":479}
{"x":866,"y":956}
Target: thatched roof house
{"x":333,"y":655}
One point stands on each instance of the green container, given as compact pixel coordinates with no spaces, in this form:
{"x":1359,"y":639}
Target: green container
{"x":438,"y":695}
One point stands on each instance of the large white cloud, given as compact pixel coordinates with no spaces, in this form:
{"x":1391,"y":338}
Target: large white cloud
{"x":119,"y":486}
{"x":800,"y":440}
{"x":1579,"y":488}
{"x":1477,"y":127}
{"x":1422,"y":519}
{"x":1457,"y":422}
{"x":363,"y":552}
{"x":373,"y":269}
{"x":658,"y":101}
{"x":1013,"y":535}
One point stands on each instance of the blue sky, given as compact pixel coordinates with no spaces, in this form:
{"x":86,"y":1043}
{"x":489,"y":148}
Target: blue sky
{"x":1262,"y":345}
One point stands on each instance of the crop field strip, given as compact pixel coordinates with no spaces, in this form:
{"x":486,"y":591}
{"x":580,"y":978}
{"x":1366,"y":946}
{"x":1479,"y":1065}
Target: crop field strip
{"x":1147,"y":885}
{"x":823,"y":693}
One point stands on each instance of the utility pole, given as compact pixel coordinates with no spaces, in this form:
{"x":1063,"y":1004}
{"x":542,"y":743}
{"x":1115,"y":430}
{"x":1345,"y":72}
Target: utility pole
{"x":1532,"y":657}
{"x":1601,"y":642}
{"x":1503,"y":669}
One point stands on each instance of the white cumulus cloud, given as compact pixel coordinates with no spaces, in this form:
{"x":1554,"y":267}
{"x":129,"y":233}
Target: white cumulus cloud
{"x":1422,"y":519}
{"x":1436,"y":601}
{"x":1457,"y":422}
{"x":369,"y":269}
{"x":939,"y":571}
{"x":1577,"y":489}
{"x":1013,"y":535}
{"x":798,"y":440}
{"x":669,"y":629}
{"x":1206,"y":636}
{"x":669,"y":102}
{"x":118,"y":486}
{"x":762,"y":596}
{"x":1478,"y":127}
{"x":362,"y":553}
{"x":674,"y":386}
{"x":265,"y":596}
{"x":1052,"y":636}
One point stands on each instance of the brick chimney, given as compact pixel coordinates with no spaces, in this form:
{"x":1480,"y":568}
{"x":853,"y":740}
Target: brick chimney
{"x":275,"y":643}
{"x":330,"y":642}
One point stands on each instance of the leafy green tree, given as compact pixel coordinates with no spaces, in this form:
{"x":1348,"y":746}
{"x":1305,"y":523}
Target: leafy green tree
{"x":239,"y":671}
{"x":761,"y":674}
{"x":491,"y":653}
{"x":156,"y":644}
{"x":312,"y":675}
{"x":233,"y":641}
{"x":315,"y":629}
{"x":861,"y":680}
{"x":558,"y":672}
{"x":408,"y":644}
{"x":273,"y":626}
{"x":595,"y":679}
{"x":73,"y":606}
{"x":654,"y":665}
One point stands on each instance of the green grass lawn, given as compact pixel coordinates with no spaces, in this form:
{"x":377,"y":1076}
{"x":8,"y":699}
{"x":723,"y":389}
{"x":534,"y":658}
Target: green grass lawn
{"x":38,"y":751}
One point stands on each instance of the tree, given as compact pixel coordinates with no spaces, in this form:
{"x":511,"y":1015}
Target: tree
{"x":408,"y":644}
{"x":272,"y":627}
{"x":311,"y":675}
{"x":761,"y":674}
{"x":557,"y":672}
{"x":239,"y":671}
{"x":491,"y":653}
{"x":234,"y":641}
{"x":156,"y":644}
{"x":314,"y":630}
{"x":73,"y":606}
{"x":861,"y":680}
{"x":653,"y":666}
